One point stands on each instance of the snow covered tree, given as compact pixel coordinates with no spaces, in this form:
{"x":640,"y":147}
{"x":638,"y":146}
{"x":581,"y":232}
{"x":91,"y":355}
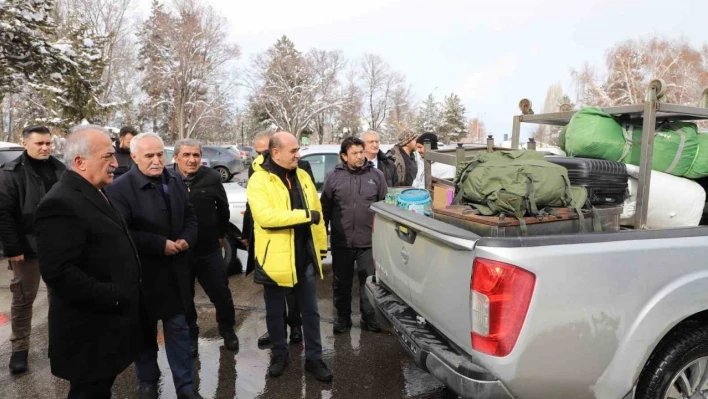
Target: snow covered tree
{"x":632,"y":64}
{"x":27,"y":45}
{"x":327,"y":66}
{"x":185,"y":59}
{"x":429,"y":116}
{"x":348,"y":117}
{"x":285,"y":83}
{"x":401,"y":116}
{"x":54,"y":70}
{"x":453,"y":120}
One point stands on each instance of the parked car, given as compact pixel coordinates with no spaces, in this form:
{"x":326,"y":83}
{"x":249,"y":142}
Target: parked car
{"x":247,"y":154}
{"x":234,"y":252}
{"x":224,"y":160}
{"x":9,"y":152}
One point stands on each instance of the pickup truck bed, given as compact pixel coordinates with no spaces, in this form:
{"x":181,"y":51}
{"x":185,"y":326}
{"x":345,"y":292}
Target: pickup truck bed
{"x":599,"y":304}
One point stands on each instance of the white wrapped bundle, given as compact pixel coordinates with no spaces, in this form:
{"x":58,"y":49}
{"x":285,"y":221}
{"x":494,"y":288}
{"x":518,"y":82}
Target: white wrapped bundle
{"x":673,"y":201}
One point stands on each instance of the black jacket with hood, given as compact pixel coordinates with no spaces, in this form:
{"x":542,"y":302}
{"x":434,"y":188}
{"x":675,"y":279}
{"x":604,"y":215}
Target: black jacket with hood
{"x":346,"y":197}
{"x":21,"y":190}
{"x":208,"y":197}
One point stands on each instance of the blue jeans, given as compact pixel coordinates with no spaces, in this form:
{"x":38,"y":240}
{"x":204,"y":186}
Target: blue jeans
{"x":178,"y":356}
{"x":306,"y":292}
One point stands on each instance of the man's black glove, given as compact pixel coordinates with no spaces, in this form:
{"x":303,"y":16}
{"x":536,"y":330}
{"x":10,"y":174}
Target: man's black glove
{"x":315,"y":217}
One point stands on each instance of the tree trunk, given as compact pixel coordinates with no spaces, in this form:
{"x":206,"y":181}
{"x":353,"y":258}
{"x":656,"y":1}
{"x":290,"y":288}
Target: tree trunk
{"x":2,"y":118}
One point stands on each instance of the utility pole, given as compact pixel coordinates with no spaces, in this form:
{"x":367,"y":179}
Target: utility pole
{"x":243,"y":142}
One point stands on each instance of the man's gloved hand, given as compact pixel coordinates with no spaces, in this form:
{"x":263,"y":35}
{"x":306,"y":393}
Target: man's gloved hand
{"x":316,"y":217}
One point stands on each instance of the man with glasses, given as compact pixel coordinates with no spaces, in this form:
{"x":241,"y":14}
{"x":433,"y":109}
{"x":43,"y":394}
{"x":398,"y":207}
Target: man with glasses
{"x":377,"y":157}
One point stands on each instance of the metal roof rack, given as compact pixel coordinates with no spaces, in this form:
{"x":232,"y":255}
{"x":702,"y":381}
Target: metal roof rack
{"x":650,"y":113}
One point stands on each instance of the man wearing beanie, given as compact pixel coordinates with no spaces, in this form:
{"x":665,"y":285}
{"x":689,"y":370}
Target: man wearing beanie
{"x":403,"y":159}
{"x":439,"y":170}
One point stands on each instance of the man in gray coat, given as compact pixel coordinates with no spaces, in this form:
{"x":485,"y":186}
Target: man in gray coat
{"x":349,"y":190}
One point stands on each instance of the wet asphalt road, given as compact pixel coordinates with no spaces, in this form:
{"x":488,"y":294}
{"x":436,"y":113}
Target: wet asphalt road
{"x":365,"y":365}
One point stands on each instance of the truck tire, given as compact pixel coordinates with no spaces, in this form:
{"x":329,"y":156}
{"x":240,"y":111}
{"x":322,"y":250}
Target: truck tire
{"x":677,"y":365}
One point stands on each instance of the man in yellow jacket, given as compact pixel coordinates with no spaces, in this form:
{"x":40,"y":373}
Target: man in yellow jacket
{"x":290,"y":242}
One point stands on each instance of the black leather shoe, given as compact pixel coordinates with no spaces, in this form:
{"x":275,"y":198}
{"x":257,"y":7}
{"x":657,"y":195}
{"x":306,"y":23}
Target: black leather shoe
{"x":230,"y":340}
{"x":343,"y":324}
{"x":18,"y":362}
{"x":319,"y":369}
{"x":190,"y":395}
{"x":264,"y":341}
{"x":278,"y":364}
{"x":295,"y":335}
{"x":368,"y":322}
{"x":194,"y":347}
{"x":148,"y":393}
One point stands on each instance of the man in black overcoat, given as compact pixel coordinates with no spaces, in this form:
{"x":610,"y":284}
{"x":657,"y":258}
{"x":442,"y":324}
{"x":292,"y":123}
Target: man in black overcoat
{"x":153,"y":200}
{"x":91,"y":267}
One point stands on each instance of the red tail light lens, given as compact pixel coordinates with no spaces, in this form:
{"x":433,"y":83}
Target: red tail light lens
{"x":501,"y":294}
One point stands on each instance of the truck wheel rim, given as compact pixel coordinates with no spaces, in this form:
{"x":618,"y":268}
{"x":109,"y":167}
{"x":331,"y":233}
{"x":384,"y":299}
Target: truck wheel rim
{"x":691,"y":382}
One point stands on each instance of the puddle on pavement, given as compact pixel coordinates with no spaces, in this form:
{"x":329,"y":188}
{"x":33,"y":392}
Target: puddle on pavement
{"x":364,"y":365}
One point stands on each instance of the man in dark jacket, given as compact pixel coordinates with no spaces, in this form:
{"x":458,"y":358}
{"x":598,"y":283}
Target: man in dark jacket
{"x":208,"y":197}
{"x":154,"y":203}
{"x":92,"y":270}
{"x":23,"y":184}
{"x":403,"y":158}
{"x":292,"y":312}
{"x":125,"y":136}
{"x":349,"y":190}
{"x":377,"y":157}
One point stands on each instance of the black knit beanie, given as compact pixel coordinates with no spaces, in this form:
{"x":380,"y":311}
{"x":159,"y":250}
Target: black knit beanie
{"x":431,"y":137}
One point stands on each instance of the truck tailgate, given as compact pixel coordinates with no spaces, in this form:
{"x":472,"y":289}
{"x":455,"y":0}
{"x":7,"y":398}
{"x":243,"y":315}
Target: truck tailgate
{"x":428,"y":265}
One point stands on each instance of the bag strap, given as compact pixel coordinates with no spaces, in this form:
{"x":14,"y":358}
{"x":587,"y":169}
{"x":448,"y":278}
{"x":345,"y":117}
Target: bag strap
{"x":627,"y":132}
{"x":530,"y":195}
{"x":596,"y":226}
{"x":682,"y":133}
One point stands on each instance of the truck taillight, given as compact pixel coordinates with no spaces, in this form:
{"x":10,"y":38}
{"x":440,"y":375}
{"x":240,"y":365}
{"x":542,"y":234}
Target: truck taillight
{"x":500,"y":296}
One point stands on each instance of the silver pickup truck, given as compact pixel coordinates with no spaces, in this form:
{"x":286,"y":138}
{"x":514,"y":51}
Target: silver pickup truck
{"x":608,"y":315}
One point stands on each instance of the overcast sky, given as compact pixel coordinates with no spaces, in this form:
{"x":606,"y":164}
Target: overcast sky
{"x":491,"y":53}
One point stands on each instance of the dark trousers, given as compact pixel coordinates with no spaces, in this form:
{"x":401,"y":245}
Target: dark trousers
{"x":209,"y":269}
{"x":306,"y":293}
{"x":346,"y":261}
{"x":179,"y":356}
{"x":91,"y":389}
{"x":292,"y":313}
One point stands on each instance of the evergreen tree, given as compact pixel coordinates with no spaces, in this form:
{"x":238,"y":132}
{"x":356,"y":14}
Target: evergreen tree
{"x":453,"y":119}
{"x":27,"y":51}
{"x":429,"y":116}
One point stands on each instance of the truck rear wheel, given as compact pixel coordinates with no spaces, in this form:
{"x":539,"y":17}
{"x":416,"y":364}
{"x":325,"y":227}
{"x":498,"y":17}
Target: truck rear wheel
{"x":678,"y":368}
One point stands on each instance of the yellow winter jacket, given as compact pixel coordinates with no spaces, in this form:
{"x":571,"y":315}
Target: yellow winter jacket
{"x":269,"y":201}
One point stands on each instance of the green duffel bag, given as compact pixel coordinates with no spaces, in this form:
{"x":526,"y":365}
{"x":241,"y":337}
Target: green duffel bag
{"x":675,"y":148}
{"x":593,"y":133}
{"x":517,"y":183}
